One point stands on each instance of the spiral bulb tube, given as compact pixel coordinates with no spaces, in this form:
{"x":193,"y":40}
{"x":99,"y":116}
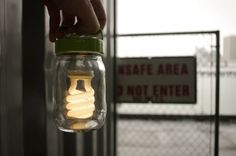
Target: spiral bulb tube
{"x":80,"y":103}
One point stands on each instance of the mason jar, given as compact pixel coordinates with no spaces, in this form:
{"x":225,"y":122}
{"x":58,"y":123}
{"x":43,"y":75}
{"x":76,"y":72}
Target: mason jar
{"x":79,"y":84}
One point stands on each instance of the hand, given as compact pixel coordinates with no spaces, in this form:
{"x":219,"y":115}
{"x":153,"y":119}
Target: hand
{"x":78,"y":16}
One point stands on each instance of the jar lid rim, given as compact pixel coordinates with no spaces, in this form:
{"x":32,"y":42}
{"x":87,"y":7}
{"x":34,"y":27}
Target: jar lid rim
{"x":79,"y":44}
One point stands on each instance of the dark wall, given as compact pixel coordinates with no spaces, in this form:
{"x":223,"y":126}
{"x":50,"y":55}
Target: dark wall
{"x":34,"y":107}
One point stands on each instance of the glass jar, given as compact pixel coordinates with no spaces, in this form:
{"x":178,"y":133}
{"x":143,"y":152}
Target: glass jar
{"x":79,"y":84}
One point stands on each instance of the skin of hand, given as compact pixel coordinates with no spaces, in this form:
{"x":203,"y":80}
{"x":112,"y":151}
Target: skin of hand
{"x":74,"y":16}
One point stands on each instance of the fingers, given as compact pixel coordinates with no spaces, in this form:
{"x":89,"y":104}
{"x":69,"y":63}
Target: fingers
{"x":67,"y":26}
{"x":90,"y":17}
{"x":87,"y":21}
{"x":54,"y":21}
{"x":68,"y":19}
{"x":99,"y":15}
{"x":100,"y":12}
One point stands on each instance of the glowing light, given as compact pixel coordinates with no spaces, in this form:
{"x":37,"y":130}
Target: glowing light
{"x":79,"y":103}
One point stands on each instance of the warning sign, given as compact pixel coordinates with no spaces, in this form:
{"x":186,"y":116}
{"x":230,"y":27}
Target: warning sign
{"x":157,"y":80}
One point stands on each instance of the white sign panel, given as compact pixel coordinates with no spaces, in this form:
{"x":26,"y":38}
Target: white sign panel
{"x":157,"y":80}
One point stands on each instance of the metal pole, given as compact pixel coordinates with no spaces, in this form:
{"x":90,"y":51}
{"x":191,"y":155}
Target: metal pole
{"x":114,"y":79}
{"x":167,"y":33}
{"x":11,"y":105}
{"x":217,"y":93}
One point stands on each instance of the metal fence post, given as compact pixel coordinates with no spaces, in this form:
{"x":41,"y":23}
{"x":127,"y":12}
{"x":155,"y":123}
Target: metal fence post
{"x":217,"y":93}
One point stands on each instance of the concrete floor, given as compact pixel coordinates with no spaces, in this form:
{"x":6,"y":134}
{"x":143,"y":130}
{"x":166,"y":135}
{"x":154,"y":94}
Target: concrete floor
{"x":228,"y":139}
{"x":173,"y":138}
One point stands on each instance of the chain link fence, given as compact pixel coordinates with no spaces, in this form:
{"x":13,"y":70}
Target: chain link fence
{"x":155,"y":129}
{"x":164,"y":138}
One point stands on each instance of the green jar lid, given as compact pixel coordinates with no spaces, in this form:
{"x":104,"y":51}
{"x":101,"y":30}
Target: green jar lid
{"x":75,"y":44}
